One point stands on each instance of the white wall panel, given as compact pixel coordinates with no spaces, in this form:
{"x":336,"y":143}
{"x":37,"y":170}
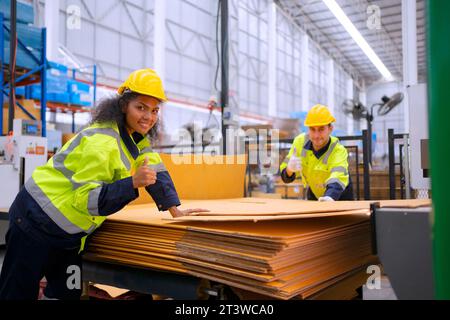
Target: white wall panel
{"x":109,"y":13}
{"x":340,"y":95}
{"x":108,"y":50}
{"x":190,"y":48}
{"x":132,"y":53}
{"x":288,"y":68}
{"x":115,"y":35}
{"x":253,"y":56}
{"x":81,"y":41}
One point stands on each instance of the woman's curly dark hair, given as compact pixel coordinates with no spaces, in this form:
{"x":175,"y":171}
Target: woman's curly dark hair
{"x":110,"y":110}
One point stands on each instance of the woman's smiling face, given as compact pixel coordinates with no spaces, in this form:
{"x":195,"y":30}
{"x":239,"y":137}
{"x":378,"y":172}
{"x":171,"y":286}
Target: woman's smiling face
{"x":141,"y":114}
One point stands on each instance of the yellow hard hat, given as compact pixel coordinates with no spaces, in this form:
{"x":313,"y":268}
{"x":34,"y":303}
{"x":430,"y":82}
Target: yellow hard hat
{"x":144,"y":81}
{"x":319,"y":115}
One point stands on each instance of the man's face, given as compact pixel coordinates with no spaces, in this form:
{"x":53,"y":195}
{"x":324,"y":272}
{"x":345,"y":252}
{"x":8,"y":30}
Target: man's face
{"x":319,"y":136}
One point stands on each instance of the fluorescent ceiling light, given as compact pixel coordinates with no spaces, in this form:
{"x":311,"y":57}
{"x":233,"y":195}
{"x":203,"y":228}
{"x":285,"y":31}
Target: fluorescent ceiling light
{"x":359,"y":39}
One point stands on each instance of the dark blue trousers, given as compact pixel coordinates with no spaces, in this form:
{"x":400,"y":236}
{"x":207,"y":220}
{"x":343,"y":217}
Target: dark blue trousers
{"x":27,"y":261}
{"x":31,"y":254}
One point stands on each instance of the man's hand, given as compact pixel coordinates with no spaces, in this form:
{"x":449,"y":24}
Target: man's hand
{"x":294,"y":164}
{"x":175,"y":212}
{"x":326,"y":198}
{"x":144,"y":176}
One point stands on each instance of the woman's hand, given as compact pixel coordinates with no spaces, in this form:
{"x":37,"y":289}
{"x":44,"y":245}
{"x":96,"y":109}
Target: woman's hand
{"x":144,"y":176}
{"x":175,"y":212}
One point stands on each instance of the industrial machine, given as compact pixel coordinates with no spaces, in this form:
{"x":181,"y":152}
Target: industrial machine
{"x":403,"y":242}
{"x":20,"y":153}
{"x":418,"y":136}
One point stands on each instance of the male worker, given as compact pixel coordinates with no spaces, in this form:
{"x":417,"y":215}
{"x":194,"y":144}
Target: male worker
{"x":319,"y":159}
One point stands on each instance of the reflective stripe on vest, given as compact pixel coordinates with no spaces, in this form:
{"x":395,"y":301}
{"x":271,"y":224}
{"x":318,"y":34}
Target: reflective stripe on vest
{"x":339,"y":169}
{"x":303,"y":154}
{"x":57,"y":216}
{"x":336,"y":180}
{"x":329,"y":151}
{"x":59,"y":158}
{"x":160,"y":167}
{"x":146,"y":150}
{"x":93,"y":196}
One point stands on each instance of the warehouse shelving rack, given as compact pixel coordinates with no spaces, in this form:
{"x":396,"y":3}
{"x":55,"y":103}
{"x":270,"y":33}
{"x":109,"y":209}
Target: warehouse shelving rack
{"x":38,"y":75}
{"x":28,"y":76}
{"x":94,"y":79}
{"x":74,"y":108}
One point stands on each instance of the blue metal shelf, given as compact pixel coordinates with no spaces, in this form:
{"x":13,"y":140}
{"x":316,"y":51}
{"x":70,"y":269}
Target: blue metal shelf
{"x":35,"y":73}
{"x":21,"y":80}
{"x":94,"y":79}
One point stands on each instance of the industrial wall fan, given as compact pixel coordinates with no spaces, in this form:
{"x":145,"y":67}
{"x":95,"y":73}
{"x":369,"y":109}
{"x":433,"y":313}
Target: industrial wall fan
{"x":358,"y":111}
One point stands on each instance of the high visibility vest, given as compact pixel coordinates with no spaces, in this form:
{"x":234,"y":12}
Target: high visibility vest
{"x":331,"y":167}
{"x":68,"y":187}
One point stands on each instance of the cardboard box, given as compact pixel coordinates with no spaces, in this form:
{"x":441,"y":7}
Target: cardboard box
{"x":29,"y":105}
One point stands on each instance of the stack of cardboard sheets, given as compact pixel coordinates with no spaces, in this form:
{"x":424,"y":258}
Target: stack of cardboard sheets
{"x":296,"y":248}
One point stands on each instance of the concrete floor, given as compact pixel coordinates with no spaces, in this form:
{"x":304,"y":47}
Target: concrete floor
{"x":384,"y":293}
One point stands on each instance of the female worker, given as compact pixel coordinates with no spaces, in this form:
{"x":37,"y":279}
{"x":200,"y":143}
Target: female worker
{"x":95,"y":174}
{"x":319,"y":159}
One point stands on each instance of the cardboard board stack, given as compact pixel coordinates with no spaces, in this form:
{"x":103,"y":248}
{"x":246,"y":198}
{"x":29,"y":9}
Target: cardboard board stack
{"x":280,"y":258}
{"x":279,"y":248}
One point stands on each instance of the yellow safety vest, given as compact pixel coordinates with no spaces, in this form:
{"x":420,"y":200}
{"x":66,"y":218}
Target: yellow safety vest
{"x":331,"y":167}
{"x":67,"y":188}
